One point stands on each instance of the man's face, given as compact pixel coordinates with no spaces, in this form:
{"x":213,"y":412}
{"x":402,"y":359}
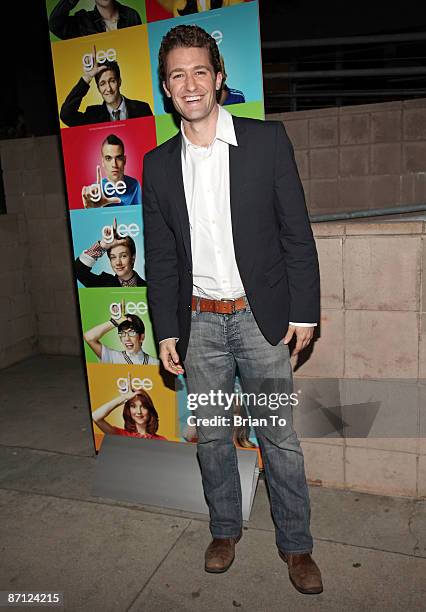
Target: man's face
{"x":191,"y":82}
{"x":122,"y":262}
{"x":113,"y":162}
{"x":131,"y":341}
{"x":109,"y":87}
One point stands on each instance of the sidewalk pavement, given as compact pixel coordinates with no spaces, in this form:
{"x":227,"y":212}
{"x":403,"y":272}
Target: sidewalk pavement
{"x":106,"y":555}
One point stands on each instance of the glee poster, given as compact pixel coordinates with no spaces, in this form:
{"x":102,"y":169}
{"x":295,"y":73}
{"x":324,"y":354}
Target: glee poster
{"x":112,"y":112}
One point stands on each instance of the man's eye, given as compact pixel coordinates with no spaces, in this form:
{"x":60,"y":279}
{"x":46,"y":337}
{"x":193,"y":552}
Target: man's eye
{"x":177,"y":76}
{"x":201,"y":72}
{"x":108,"y":158}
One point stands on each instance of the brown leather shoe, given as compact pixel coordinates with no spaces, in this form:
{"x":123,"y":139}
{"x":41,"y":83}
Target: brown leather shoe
{"x":220,"y":554}
{"x":303,"y":572}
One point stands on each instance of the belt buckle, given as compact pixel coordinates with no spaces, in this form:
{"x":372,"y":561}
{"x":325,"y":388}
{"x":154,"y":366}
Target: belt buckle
{"x":233,"y":304}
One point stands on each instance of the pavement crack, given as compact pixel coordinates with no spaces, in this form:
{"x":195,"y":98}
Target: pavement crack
{"x":411,"y":531}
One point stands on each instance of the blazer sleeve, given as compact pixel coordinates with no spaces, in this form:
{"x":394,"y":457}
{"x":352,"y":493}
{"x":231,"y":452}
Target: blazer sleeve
{"x":61,"y":23}
{"x":161,"y":262}
{"x":70,"y":114}
{"x":296,"y":234}
{"x":89,"y":279}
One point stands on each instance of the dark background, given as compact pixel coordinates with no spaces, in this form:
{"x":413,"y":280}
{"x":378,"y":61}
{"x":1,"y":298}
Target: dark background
{"x":27,"y":74}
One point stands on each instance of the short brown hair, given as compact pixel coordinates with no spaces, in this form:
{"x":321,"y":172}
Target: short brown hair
{"x":187,"y":36}
{"x":127,"y":242}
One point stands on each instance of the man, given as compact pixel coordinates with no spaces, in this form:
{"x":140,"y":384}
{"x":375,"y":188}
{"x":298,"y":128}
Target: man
{"x":231,"y":261}
{"x":121,"y":252}
{"x":113,"y":162}
{"x":115,"y":106}
{"x":131,"y":331}
{"x":106,"y":15}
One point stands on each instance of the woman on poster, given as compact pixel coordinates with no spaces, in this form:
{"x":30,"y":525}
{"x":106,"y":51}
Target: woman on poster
{"x":139,"y":415}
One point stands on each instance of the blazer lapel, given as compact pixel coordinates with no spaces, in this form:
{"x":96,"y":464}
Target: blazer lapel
{"x":175,"y":179}
{"x":237,"y":172}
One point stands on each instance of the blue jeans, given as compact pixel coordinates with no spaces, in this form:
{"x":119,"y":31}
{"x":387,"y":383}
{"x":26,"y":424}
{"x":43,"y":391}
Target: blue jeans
{"x":219,"y":344}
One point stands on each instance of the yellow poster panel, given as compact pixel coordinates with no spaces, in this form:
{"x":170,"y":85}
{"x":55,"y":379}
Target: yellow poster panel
{"x":111,"y":386}
{"x":74,"y":58}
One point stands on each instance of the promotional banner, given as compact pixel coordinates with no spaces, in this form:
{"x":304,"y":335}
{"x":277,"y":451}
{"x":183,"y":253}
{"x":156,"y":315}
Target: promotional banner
{"x":112,"y":111}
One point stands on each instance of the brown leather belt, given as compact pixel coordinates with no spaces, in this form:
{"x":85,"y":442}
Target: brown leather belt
{"x":219,"y":306}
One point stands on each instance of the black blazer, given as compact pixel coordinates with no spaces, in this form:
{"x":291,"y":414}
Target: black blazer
{"x":274,"y":246}
{"x":97,"y":113}
{"x":89,"y":279}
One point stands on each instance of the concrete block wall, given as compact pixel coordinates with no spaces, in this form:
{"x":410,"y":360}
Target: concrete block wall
{"x":372,"y":343}
{"x":37,"y":297}
{"x":360,"y":157}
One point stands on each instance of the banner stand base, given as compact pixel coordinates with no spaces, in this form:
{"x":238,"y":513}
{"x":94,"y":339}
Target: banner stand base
{"x":164,"y":474}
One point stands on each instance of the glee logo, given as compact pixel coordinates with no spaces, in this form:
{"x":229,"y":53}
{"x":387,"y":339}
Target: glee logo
{"x":135,"y":384}
{"x":122,"y":230}
{"x":89,"y":59}
{"x":109,"y":189}
{"x":133,"y":308}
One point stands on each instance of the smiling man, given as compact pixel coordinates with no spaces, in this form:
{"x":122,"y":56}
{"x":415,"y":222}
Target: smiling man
{"x":231,"y":269}
{"x":115,"y":107}
{"x":131,"y":331}
{"x":121,"y":252}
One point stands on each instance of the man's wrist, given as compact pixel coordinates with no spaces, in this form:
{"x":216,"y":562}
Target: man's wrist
{"x":166,"y":339}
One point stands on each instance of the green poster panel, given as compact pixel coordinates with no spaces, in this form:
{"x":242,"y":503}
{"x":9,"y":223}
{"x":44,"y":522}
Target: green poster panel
{"x":98,"y":305}
{"x":89,"y":5}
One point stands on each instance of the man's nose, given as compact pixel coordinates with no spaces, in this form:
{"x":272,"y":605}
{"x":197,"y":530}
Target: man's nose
{"x":190,"y":83}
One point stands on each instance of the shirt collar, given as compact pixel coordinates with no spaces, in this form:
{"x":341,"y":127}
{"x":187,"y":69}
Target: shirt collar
{"x":120,"y":108}
{"x":225,"y":131}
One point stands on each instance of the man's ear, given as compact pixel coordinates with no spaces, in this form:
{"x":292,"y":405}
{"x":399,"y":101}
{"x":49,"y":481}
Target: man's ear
{"x":119,"y":83}
{"x":219,"y":79}
{"x":168,"y":94}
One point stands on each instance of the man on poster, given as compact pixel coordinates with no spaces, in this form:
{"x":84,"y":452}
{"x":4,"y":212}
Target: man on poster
{"x":106,"y":15}
{"x":115,"y":106}
{"x":116,"y":189}
{"x":121,"y":252}
{"x":231,"y":269}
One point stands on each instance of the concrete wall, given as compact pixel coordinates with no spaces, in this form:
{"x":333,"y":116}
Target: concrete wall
{"x":373,"y":292}
{"x":36,"y":282}
{"x":373,"y":340}
{"x":360,"y":157}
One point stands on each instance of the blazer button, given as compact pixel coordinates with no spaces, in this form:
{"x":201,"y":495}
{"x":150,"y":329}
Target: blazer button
{"x":189,"y":271}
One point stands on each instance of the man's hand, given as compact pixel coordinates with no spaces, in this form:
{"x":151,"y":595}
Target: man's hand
{"x":111,"y":232}
{"x":169,"y":357}
{"x":303,"y":335}
{"x":89,"y":74}
{"x":93,"y":195}
{"x":119,"y":312}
